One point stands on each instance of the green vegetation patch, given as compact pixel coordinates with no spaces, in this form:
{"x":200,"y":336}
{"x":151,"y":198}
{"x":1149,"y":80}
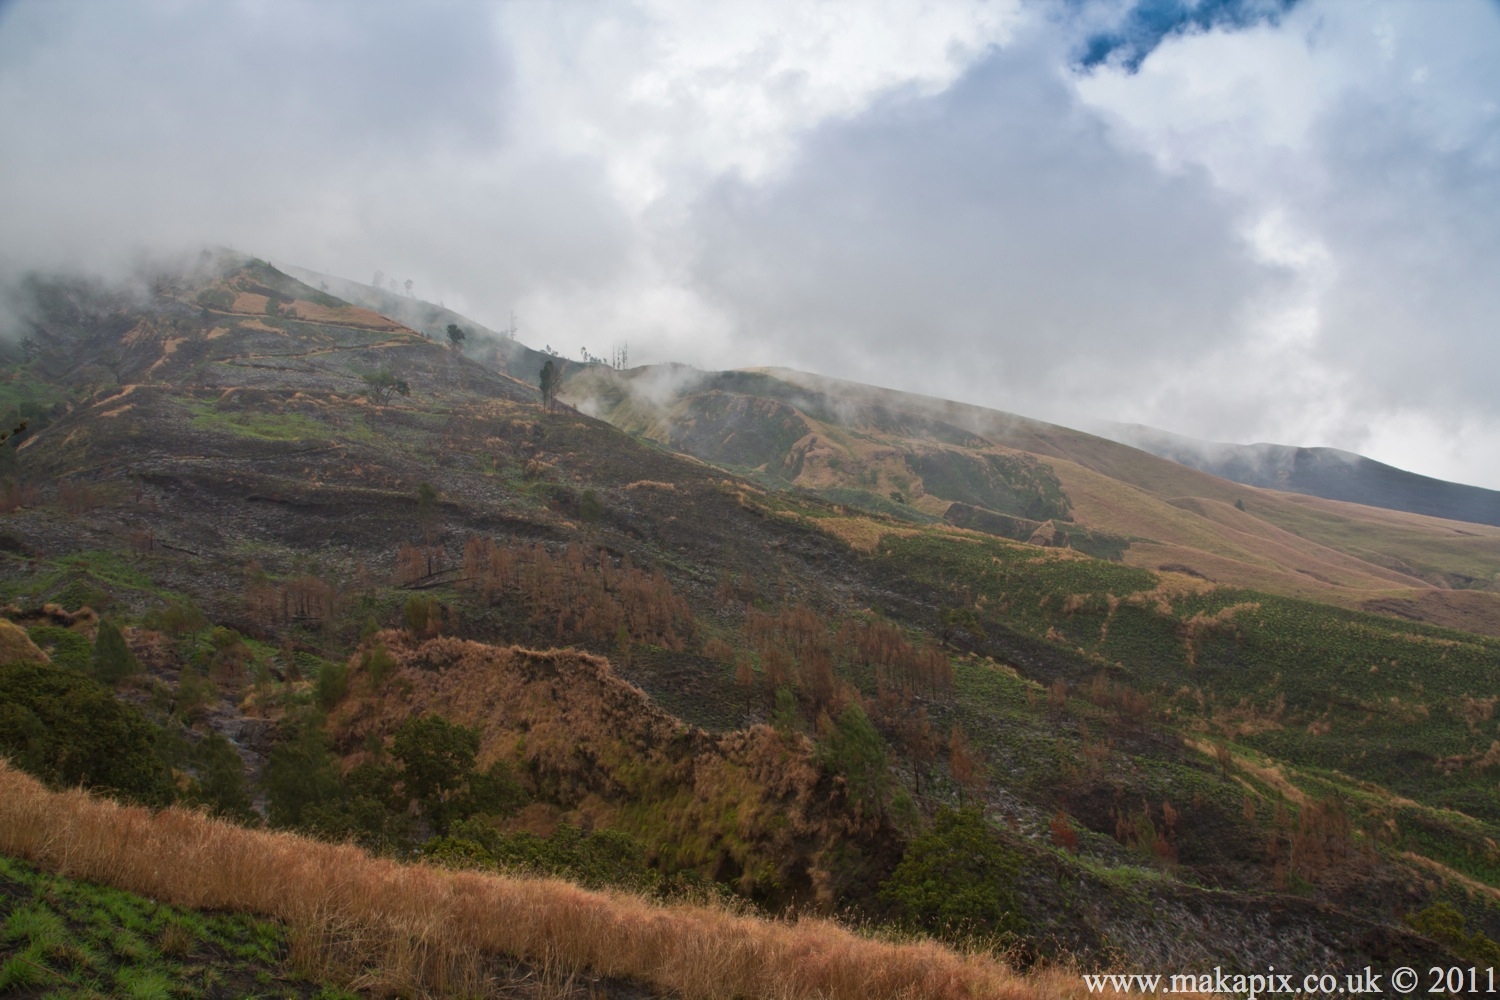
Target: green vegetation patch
{"x":66,"y":938}
{"x":258,"y":426}
{"x":64,"y":647}
{"x":68,"y":729}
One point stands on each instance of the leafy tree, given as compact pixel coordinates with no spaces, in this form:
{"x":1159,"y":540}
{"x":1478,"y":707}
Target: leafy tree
{"x":956,"y":879}
{"x":852,"y":747}
{"x":437,"y":760}
{"x":548,"y":383}
{"x":113,"y":660}
{"x":301,"y":775}
{"x":332,"y":685}
{"x":221,"y":779}
{"x":455,"y":336}
{"x":69,"y":730}
{"x":380,"y":385}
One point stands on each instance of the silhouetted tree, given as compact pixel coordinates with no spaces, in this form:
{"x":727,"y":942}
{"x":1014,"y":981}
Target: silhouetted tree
{"x":548,"y":384}
{"x":455,"y":336}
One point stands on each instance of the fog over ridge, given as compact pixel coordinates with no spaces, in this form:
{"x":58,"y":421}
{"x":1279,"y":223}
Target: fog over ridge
{"x":1253,"y":221}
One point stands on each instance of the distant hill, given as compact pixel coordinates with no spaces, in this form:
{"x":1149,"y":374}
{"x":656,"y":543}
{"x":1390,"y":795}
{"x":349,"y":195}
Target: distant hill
{"x":1321,"y":472}
{"x":926,"y":459}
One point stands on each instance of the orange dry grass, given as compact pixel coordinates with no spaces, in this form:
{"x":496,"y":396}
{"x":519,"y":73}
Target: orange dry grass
{"x":385,"y":926}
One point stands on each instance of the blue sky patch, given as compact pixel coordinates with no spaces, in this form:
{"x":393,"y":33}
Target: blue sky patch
{"x":1151,"y":21}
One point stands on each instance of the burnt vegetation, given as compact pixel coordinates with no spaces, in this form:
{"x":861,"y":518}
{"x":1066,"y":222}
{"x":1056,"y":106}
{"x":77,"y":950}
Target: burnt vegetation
{"x":466,"y":621}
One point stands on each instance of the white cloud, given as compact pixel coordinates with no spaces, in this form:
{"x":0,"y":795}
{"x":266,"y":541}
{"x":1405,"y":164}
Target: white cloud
{"x":1286,"y":232}
{"x":1368,"y":138}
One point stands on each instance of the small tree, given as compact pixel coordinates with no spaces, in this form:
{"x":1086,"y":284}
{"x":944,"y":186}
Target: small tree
{"x":548,"y":384}
{"x":427,"y":510}
{"x":113,"y":660}
{"x":437,"y":759}
{"x":956,"y":879}
{"x":853,"y":748}
{"x":380,"y":385}
{"x":456,"y":336}
{"x":967,"y":770}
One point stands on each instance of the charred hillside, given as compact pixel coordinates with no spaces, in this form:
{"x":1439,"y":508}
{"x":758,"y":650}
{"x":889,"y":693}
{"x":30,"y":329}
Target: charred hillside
{"x":317,"y":528}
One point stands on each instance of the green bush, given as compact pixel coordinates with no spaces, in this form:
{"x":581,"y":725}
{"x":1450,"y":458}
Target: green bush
{"x":417,"y":614}
{"x":597,"y":859}
{"x":378,"y":663}
{"x":195,"y":692}
{"x":302,"y":776}
{"x":437,"y":761}
{"x":1445,"y":925}
{"x":220,"y":784}
{"x":177,"y":618}
{"x":112,"y":659}
{"x":333,"y":684}
{"x":64,"y":647}
{"x":852,"y":748}
{"x":590,"y":508}
{"x":956,"y":879}
{"x":68,"y":730}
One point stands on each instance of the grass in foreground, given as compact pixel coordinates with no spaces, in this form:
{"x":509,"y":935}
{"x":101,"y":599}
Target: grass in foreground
{"x":62,"y":938}
{"x":356,"y":919}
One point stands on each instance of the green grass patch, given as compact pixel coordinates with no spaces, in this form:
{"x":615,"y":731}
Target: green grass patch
{"x":77,"y":938}
{"x":257,"y":425}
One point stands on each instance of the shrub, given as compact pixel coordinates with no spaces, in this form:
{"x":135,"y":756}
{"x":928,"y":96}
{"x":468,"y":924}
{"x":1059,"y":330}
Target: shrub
{"x":68,"y":729}
{"x":596,"y":859}
{"x":418,"y":614}
{"x":113,"y":661}
{"x":301,"y":775}
{"x":333,"y":684}
{"x":378,"y":664}
{"x":852,"y":747}
{"x":64,"y":647}
{"x":956,"y":879}
{"x":590,"y":508}
{"x":177,"y":618}
{"x":1445,"y":925}
{"x":195,"y":692}
{"x":437,"y":760}
{"x":221,"y":779}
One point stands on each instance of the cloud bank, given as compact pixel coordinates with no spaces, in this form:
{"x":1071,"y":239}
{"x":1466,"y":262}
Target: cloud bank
{"x":1243,"y":220}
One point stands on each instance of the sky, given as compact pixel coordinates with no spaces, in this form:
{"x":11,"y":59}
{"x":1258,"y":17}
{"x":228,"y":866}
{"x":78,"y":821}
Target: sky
{"x":1239,"y":220}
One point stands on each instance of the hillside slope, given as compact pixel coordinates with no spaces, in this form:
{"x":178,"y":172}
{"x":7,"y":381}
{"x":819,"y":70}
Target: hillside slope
{"x":1329,"y":473}
{"x":218,"y":474}
{"x":918,"y":457}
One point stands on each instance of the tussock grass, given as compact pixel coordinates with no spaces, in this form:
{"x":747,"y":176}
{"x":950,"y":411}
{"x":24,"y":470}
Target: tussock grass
{"x":376,"y":924}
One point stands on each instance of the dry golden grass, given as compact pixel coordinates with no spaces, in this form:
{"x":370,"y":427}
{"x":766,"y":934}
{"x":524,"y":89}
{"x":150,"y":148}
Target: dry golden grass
{"x":386,"y":927}
{"x":860,"y":533}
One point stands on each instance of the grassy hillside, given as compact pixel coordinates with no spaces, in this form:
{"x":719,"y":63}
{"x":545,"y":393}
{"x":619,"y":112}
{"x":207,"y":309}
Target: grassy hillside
{"x":390,"y":928}
{"x":1027,"y":480}
{"x":777,"y":684}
